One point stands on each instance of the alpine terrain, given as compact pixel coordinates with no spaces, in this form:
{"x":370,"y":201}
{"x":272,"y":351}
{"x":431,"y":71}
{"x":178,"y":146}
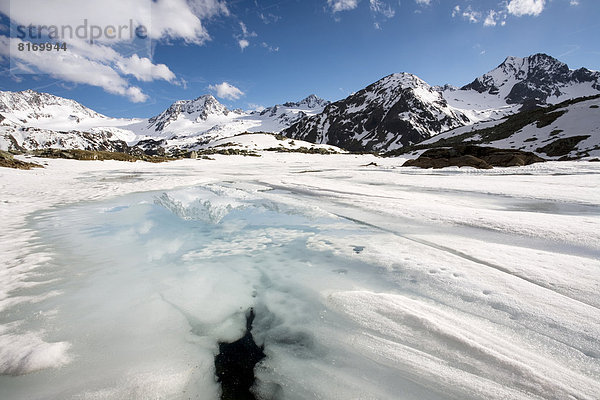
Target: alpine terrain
{"x":395,"y":113}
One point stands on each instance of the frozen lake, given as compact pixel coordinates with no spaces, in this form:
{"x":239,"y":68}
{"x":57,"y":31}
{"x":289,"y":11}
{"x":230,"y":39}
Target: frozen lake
{"x":367,"y":283}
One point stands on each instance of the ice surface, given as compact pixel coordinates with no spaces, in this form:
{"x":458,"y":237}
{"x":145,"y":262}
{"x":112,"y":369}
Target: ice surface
{"x":367,"y":282}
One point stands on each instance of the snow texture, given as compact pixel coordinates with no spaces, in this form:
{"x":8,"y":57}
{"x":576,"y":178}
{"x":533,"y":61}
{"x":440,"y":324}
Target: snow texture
{"x":379,"y":282}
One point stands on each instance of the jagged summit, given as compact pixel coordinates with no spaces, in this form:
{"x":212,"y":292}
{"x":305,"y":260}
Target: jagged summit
{"x":199,"y":109}
{"x":395,"y":111}
{"x":537,"y":79}
{"x":404,"y":79}
{"x":311,"y":101}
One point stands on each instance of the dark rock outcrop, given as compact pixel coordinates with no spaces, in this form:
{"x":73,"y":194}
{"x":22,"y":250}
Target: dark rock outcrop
{"x":562,"y":147}
{"x":473,"y":156}
{"x":7,"y":160}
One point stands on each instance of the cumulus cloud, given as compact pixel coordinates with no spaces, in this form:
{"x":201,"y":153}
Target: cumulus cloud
{"x":226,"y":91}
{"x":526,"y":7}
{"x":342,"y":5}
{"x":70,"y":67}
{"x":143,"y":69}
{"x":423,"y":2}
{"x":109,"y":62}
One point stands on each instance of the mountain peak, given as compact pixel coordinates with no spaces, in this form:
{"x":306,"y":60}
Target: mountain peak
{"x":393,"y":84}
{"x":199,"y":108}
{"x":534,"y":79}
{"x":30,"y":105}
{"x":311,"y":101}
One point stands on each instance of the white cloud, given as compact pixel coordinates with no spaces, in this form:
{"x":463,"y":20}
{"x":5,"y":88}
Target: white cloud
{"x":226,"y":91}
{"x":379,"y":7}
{"x":423,"y":2}
{"x":242,"y":39}
{"x":342,"y":5}
{"x":71,"y":67}
{"x":272,"y":49}
{"x":243,"y":43}
{"x":108,"y":62}
{"x":455,"y":11}
{"x":245,"y":32}
{"x":256,"y":107}
{"x":526,"y":7}
{"x":269,"y":18}
{"x":471,"y":15}
{"x":144,"y":70}
{"x":490,"y":19}
{"x":574,"y":2}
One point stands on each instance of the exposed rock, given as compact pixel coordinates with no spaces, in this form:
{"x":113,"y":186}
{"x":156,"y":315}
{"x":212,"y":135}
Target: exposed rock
{"x":201,"y":108}
{"x":537,"y":77}
{"x":473,"y":156}
{"x":7,"y":160}
{"x":561,"y":147}
{"x":396,"y":111}
{"x":305,"y":150}
{"x":76,"y":154}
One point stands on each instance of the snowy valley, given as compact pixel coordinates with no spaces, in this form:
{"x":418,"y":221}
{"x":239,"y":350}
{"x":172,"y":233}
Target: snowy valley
{"x":299,"y":229}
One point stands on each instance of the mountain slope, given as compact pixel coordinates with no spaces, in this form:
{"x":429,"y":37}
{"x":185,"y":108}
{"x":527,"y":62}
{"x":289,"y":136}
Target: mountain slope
{"x":37,"y":109}
{"x":401,"y":109}
{"x":563,"y":131}
{"x":30,"y":120}
{"x":205,"y":119}
{"x":537,"y":79}
{"x":186,"y":112}
{"x":395,"y":111}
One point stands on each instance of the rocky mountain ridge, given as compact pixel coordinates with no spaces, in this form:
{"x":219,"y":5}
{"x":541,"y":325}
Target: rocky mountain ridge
{"x":368,"y":119}
{"x":400,"y":109}
{"x":397,"y":111}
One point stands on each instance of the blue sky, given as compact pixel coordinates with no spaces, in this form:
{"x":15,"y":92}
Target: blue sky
{"x":259,"y":53}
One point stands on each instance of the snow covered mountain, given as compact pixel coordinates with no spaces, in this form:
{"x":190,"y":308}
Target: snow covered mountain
{"x":30,"y":120}
{"x":182,"y":113}
{"x":287,"y":114}
{"x":395,"y":111}
{"x":207,"y":118}
{"x":537,"y":79}
{"x":568,"y":130}
{"x":521,"y":83}
{"x":37,"y":109}
{"x":401,"y":109}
